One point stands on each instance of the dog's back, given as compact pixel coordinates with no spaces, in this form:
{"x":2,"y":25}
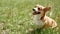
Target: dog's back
{"x":49,"y":22}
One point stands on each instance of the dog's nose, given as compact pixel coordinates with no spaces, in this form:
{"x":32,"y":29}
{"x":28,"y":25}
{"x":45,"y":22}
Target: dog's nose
{"x":33,"y":9}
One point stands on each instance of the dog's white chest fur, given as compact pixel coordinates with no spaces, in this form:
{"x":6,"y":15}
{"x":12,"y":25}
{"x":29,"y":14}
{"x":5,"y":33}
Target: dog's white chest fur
{"x":37,"y":20}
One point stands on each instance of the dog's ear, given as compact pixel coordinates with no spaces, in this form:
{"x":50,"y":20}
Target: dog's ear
{"x":47,"y":8}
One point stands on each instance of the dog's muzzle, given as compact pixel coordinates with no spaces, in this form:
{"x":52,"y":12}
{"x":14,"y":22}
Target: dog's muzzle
{"x":35,"y":12}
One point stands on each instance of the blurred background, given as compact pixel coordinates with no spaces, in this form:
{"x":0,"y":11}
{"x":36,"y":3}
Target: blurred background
{"x":16,"y":16}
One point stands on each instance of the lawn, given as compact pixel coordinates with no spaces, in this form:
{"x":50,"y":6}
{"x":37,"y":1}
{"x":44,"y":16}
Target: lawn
{"x":16,"y":16}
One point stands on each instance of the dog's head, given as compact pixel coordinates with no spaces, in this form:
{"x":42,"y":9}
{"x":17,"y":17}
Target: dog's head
{"x":38,"y":9}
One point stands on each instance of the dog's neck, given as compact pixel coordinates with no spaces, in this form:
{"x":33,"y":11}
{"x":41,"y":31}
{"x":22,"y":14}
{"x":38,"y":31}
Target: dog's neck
{"x":38,"y":20}
{"x":42,"y":17}
{"x":39,"y":17}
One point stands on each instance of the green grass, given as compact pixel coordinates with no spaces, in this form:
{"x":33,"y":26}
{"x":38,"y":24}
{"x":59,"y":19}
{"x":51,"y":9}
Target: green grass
{"x":16,"y":16}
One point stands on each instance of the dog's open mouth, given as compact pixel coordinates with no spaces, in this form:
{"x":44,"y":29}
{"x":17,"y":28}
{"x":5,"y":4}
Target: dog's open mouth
{"x":35,"y":13}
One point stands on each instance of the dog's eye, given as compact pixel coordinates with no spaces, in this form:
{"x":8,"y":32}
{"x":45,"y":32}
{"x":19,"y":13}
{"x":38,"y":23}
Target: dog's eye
{"x":38,"y":8}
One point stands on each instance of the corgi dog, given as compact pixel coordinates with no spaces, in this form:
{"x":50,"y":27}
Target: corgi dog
{"x":40,"y":18}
